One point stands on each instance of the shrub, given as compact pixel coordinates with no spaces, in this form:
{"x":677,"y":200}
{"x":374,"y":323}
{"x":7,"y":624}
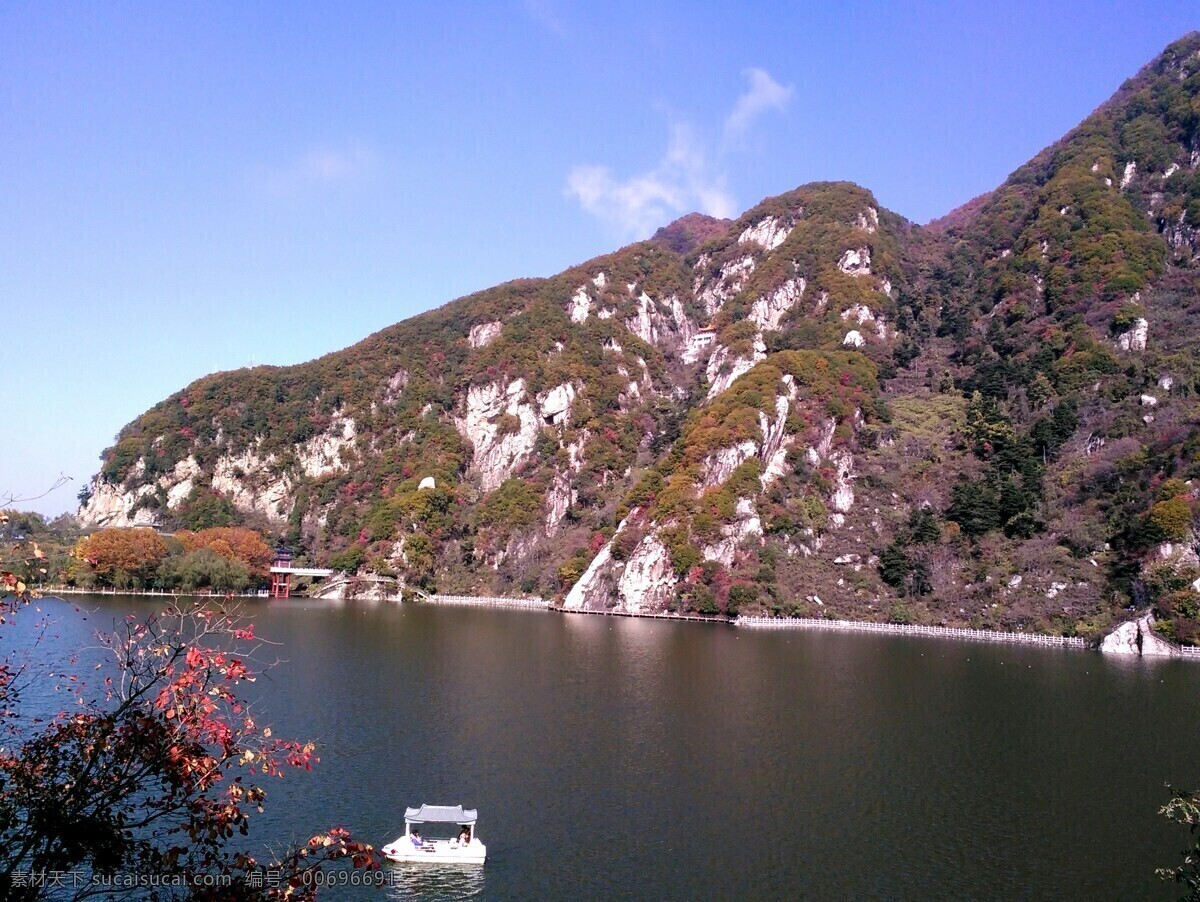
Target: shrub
{"x":1171,"y":520}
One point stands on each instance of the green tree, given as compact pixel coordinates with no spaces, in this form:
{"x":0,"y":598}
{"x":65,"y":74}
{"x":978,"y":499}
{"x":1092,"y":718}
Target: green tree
{"x":1184,"y":808}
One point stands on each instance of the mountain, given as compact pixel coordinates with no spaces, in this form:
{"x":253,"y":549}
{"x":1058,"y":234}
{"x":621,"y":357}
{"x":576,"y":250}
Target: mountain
{"x":817,"y":407}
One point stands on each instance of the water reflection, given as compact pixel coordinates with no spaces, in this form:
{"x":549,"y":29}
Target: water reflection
{"x":433,"y":882}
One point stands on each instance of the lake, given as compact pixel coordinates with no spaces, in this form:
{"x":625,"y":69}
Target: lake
{"x":615,"y":758}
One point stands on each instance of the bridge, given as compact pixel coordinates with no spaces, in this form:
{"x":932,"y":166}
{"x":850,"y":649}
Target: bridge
{"x":282,"y":572}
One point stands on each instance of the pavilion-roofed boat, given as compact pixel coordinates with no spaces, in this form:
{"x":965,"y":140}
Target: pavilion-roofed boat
{"x":463,"y":848}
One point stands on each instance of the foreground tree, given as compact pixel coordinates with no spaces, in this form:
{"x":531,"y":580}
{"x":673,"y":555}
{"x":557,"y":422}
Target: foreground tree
{"x":150,"y":773}
{"x":1184,"y":808}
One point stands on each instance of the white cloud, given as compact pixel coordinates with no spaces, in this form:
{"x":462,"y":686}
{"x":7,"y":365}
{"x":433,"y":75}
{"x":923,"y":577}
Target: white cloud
{"x":683,"y":180}
{"x":688,"y":177}
{"x":763,"y":94}
{"x":316,"y":167}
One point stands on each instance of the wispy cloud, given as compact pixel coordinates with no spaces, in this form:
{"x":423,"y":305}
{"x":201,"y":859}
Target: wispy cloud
{"x":690,"y":176}
{"x":545,"y":13}
{"x":683,"y":179}
{"x":317,"y":167}
{"x":763,"y":94}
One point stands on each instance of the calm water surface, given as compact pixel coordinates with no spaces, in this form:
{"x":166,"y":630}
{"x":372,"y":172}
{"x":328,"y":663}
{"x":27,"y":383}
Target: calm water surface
{"x":618,"y":758}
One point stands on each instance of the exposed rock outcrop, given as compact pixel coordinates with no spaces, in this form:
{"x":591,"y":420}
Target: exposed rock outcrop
{"x":770,"y":309}
{"x":769,"y":233}
{"x":483,"y":334}
{"x":724,"y":368}
{"x":502,"y":428}
{"x":1135,"y":338}
{"x":1137,"y":637}
{"x":856,"y":262}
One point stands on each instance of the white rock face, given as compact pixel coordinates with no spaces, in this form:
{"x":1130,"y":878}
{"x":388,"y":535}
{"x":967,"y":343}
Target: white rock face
{"x":427,"y":483}
{"x":1165,"y":383}
{"x":769,"y":233}
{"x":496,"y":455}
{"x":580,"y":305}
{"x":718,"y":466}
{"x":112,"y":505}
{"x":1127,"y":176}
{"x":775,"y":440}
{"x":483,"y":334}
{"x":642,"y":323}
{"x":860,"y":313}
{"x":734,"y":534}
{"x":591,"y":585}
{"x":1123,"y":640}
{"x":819,"y":449}
{"x":1171,"y":170}
{"x":730,"y":280}
{"x":1149,"y":401}
{"x":667,"y":327}
{"x":868,"y":221}
{"x":185,"y":472}
{"x":395,"y":385}
{"x":719,"y":381}
{"x":247,"y":480}
{"x":556,"y":405}
{"x":842,"y":499}
{"x":329,"y":452}
{"x":1137,"y":637}
{"x":684,"y":327}
{"x":600,"y":280}
{"x":1179,"y":554}
{"x":559,"y":498}
{"x":1135,"y":338}
{"x":648,"y":580}
{"x":768,"y":311}
{"x":854,"y":339}
{"x":856,"y":262}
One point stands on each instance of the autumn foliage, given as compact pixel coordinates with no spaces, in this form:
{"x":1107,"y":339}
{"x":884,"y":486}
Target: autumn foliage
{"x":233,"y":542}
{"x":152,"y":771}
{"x":134,"y":553}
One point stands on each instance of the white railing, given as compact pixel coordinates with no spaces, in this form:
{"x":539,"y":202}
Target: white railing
{"x":487,"y":600}
{"x":1189,"y":651}
{"x":54,"y":591}
{"x":942,"y":632}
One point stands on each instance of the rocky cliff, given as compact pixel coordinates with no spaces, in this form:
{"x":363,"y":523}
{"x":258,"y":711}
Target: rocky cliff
{"x":819,"y":406}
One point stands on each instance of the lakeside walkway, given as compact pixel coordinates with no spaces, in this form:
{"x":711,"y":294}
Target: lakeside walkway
{"x":937,"y":632}
{"x":492,"y":601}
{"x":53,"y":591}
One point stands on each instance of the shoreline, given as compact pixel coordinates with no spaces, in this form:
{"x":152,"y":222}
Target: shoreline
{"x":757,"y":622}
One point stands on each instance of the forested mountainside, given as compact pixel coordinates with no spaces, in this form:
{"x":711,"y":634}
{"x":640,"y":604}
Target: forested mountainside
{"x":818,"y":407}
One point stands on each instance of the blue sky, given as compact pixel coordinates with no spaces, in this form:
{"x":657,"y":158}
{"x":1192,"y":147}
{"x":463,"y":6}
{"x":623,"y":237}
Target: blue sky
{"x":195,"y":187}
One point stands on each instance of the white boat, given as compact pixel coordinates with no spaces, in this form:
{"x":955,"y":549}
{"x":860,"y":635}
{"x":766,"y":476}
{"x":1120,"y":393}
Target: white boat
{"x":463,"y":848}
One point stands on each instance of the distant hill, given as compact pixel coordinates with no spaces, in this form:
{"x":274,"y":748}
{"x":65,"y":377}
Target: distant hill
{"x":819,"y":407}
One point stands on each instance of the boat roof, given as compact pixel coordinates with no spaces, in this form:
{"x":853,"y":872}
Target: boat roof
{"x":441,"y":814}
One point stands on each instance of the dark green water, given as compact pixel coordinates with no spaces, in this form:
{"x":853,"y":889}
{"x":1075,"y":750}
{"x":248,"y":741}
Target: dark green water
{"x":617,"y":758}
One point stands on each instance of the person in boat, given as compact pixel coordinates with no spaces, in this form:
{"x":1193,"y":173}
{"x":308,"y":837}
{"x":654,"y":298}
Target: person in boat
{"x":464,"y":838}
{"x":417,"y":841}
